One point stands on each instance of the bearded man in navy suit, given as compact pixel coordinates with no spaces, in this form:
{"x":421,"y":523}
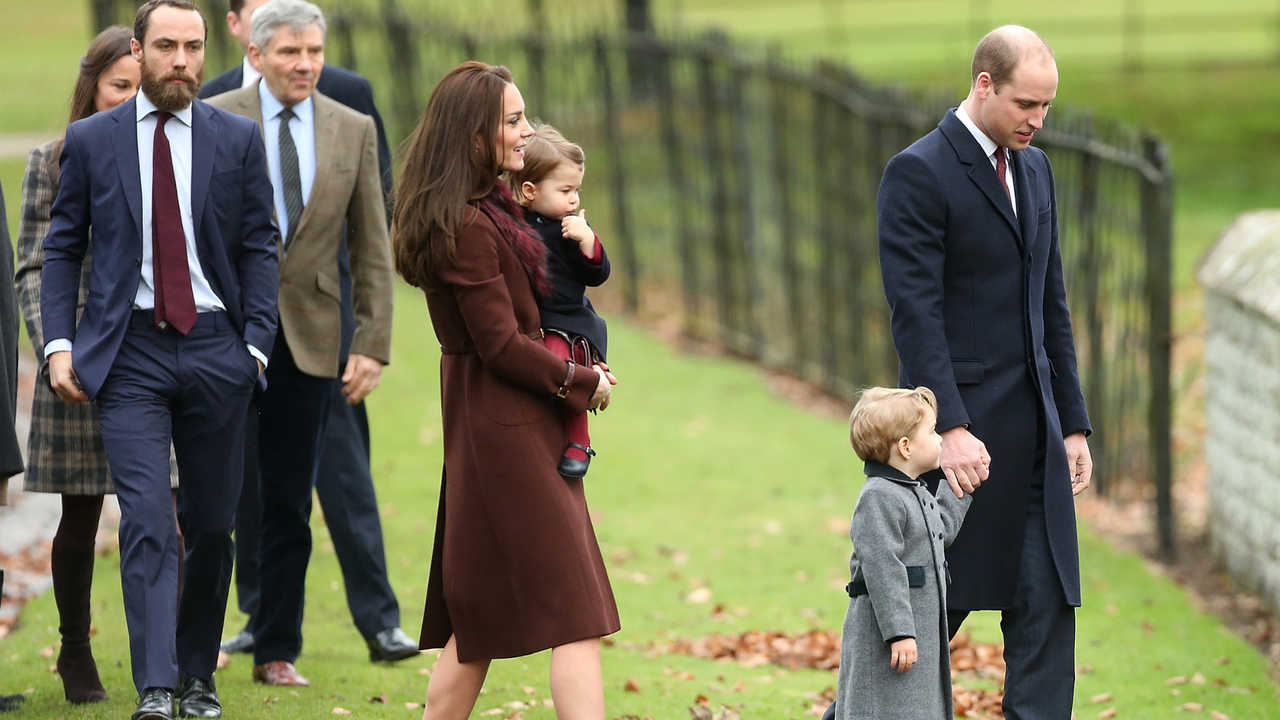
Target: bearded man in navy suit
{"x":181,"y":309}
{"x":344,"y":482}
{"x":972,"y":269}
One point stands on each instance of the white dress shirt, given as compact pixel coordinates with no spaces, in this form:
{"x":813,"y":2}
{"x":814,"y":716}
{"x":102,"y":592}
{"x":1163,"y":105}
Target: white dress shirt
{"x":178,"y":132}
{"x":303,"y":129}
{"x":251,"y":75}
{"x":989,"y":147}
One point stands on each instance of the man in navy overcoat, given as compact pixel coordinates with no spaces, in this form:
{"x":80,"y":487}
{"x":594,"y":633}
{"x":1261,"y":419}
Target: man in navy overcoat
{"x":180,"y":313}
{"x":973,"y":273}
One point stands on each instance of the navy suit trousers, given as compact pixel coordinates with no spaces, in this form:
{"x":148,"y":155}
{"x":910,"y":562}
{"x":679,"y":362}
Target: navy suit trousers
{"x":344,"y":485}
{"x":1040,"y":629}
{"x":192,"y":391}
{"x":292,"y":416}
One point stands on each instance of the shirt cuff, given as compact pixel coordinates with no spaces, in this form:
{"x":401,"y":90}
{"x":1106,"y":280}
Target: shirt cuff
{"x":597,"y":257}
{"x":254,"y":352}
{"x":58,"y":345}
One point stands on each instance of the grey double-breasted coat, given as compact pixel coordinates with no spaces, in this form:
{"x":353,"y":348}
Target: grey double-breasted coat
{"x":899,"y":531}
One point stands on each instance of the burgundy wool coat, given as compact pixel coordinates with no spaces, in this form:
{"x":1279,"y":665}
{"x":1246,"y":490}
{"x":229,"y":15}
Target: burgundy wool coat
{"x":516,"y":568}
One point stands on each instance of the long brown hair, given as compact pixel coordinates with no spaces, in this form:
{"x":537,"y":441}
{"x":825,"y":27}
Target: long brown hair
{"x":444,"y":170}
{"x":110,"y":45}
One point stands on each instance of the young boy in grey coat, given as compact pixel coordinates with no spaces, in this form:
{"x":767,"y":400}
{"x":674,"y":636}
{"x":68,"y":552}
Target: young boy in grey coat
{"x":894,"y":659}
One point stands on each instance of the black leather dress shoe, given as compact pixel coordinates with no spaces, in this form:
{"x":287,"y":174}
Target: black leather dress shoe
{"x":198,"y":698}
{"x":11,"y":703}
{"x":391,"y":645}
{"x":573,"y":467}
{"x":239,"y":643}
{"x":156,"y":704}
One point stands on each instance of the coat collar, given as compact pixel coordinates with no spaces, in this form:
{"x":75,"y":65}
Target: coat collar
{"x":970,"y":153}
{"x":874,"y":468}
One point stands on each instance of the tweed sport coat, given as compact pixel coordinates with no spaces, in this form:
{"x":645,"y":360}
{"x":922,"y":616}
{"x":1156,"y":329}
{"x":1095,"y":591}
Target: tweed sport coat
{"x":345,"y":196}
{"x":899,"y":532}
{"x":64,"y":446}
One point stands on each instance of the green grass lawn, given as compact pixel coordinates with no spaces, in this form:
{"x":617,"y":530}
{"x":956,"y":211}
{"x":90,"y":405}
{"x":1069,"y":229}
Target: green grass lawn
{"x":704,"y":479}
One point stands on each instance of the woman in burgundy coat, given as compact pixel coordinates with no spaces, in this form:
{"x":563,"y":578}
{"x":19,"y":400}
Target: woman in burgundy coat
{"x":516,"y":568}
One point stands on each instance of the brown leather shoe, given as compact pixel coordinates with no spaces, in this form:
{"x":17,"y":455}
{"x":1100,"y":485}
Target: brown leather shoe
{"x":279,"y":672}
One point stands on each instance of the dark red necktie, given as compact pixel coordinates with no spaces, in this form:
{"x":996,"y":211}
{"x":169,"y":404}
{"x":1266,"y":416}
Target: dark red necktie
{"x":1002,"y":166}
{"x":175,"y":303}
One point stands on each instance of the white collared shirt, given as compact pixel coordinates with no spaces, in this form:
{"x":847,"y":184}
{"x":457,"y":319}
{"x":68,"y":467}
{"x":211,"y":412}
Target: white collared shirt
{"x":178,"y":132}
{"x":302,"y":128}
{"x":251,"y":75}
{"x":989,"y":147}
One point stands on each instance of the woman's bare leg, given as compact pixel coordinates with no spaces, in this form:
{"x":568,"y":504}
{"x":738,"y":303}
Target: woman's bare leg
{"x":577,"y":687}
{"x":454,"y":686}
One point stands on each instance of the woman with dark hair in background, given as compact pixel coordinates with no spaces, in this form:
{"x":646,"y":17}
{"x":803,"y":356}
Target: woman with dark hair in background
{"x":64,"y":449}
{"x":516,"y":568}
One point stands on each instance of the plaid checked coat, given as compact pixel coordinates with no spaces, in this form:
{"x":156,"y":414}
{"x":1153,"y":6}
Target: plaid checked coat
{"x":64,"y":448}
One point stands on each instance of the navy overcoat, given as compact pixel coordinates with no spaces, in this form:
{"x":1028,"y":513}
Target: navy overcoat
{"x":979,"y":316}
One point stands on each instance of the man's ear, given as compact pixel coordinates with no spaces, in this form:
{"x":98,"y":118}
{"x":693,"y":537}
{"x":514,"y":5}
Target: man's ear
{"x":135,"y":47}
{"x":984,"y":85}
{"x":255,"y":57}
{"x":529,"y":191}
{"x":233,"y":22}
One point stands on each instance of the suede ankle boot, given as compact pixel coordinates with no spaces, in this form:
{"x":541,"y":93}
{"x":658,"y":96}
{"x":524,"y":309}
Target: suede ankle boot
{"x":72,"y":581}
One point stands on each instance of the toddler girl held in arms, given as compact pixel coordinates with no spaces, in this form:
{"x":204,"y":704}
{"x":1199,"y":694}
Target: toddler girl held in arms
{"x":894,"y":659}
{"x":548,"y":189}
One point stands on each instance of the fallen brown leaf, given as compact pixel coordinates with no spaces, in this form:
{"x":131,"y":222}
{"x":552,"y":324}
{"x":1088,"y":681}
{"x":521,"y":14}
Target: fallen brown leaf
{"x":1100,"y":698}
{"x":702,"y":700}
{"x":383,"y":699}
{"x":1177,"y":680}
{"x":529,"y":690}
{"x":1219,"y":716}
{"x":700,"y":713}
{"x":740,"y":687}
{"x":632,"y":685}
{"x":341,"y":711}
{"x":1108,"y":713}
{"x":412,"y":706}
{"x":1197,"y":679}
{"x":49,"y":651}
{"x":1191,"y":707}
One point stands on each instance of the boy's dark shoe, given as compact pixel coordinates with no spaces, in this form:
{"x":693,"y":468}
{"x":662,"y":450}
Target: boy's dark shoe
{"x":573,"y":467}
{"x":391,"y":645}
{"x":156,"y":704}
{"x":198,"y":698}
{"x":10,"y":703}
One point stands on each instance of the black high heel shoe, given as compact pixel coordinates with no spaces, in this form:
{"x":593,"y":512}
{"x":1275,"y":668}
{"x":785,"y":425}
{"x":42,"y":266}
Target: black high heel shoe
{"x":573,"y":467}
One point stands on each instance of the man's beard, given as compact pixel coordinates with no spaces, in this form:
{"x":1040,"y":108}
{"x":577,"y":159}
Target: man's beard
{"x":168,"y":96}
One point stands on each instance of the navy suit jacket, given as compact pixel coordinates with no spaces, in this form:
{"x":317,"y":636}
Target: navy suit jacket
{"x":100,"y":188}
{"x":979,"y":316}
{"x":354,"y":91}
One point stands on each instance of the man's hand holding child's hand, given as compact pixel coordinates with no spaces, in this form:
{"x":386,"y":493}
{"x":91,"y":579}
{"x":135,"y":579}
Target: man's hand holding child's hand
{"x":903,"y":654}
{"x":575,"y":227}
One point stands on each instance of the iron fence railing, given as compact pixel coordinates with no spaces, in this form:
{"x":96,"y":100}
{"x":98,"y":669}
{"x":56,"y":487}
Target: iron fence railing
{"x":741,"y":189}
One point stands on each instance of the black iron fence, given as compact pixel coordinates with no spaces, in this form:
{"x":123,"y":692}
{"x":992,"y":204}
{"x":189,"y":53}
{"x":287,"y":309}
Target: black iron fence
{"x":739,"y":191}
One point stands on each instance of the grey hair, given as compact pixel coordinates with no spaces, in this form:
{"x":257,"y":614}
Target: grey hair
{"x":297,"y":14}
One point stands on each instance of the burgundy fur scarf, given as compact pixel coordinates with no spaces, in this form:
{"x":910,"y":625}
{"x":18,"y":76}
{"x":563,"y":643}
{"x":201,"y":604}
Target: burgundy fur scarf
{"x":506,"y":214}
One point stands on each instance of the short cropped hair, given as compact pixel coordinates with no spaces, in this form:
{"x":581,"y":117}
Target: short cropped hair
{"x":143,"y":17}
{"x":999,"y":58}
{"x":546,"y":150}
{"x":298,"y":15}
{"x":885,"y":415}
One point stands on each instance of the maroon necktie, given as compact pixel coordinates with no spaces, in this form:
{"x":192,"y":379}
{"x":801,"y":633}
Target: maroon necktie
{"x":1002,"y":166}
{"x":175,"y":303}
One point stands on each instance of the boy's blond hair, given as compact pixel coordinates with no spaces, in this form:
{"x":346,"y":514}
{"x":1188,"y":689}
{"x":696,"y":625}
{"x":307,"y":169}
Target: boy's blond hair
{"x":546,"y":150}
{"x":885,"y":415}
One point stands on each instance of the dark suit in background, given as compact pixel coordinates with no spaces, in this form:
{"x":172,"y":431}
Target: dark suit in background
{"x":979,"y":315}
{"x":345,"y":482}
{"x":154,"y":385}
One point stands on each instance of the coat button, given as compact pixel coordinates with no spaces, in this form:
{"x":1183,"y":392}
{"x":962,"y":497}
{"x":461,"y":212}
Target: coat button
{"x":939,"y":536}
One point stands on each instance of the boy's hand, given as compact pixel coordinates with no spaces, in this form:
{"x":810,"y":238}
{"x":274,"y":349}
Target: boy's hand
{"x":903,"y":654}
{"x":575,"y":227}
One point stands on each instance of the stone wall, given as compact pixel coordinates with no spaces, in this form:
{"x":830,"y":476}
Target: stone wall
{"x":1241,"y":278}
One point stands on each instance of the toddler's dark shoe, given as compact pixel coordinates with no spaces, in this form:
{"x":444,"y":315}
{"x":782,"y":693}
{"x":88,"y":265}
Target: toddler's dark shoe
{"x":572,"y":466}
